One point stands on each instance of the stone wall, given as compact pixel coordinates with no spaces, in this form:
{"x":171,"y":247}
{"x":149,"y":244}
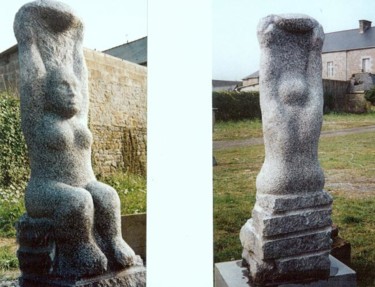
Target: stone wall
{"x":347,"y":63}
{"x":117,"y":116}
{"x":339,"y":66}
{"x":355,"y":60}
{"x":9,"y":70}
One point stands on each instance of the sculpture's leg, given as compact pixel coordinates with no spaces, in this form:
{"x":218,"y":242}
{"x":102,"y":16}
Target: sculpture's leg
{"x":72,"y":211}
{"x":108,"y":227}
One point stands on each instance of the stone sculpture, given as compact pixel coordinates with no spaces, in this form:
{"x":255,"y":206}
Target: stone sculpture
{"x":72,"y":228}
{"x":288,"y":236}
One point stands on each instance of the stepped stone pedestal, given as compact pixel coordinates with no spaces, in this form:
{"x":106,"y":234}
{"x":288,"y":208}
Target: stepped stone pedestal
{"x":288,"y":237}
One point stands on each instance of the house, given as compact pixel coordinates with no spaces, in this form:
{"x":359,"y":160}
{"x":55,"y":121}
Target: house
{"x":346,"y":56}
{"x":222,"y":85}
{"x":350,"y":52}
{"x":250,"y":83}
{"x":135,"y":51}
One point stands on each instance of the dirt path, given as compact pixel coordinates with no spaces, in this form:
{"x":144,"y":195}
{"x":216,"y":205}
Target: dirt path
{"x":218,"y":145}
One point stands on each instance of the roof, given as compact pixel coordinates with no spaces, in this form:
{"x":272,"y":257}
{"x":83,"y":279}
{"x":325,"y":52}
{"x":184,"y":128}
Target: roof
{"x":11,"y":50}
{"x":223,"y":85}
{"x":252,"y":76}
{"x":135,"y":51}
{"x":349,"y":40}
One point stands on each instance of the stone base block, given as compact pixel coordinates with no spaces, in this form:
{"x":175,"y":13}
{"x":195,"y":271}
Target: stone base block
{"x":233,"y":274}
{"x":307,"y":267}
{"x":131,"y":277}
{"x":286,"y":246}
{"x":285,"y":203}
{"x":268,"y":224}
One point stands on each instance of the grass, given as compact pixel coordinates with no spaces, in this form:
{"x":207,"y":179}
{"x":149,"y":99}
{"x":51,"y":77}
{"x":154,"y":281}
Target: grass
{"x":338,"y":121}
{"x":231,"y":130}
{"x":131,"y":190}
{"x":349,"y":165}
{"x":253,"y":128}
{"x":8,"y":259}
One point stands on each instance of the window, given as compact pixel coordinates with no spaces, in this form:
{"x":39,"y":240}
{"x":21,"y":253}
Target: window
{"x":365,"y":65}
{"x":329,"y":69}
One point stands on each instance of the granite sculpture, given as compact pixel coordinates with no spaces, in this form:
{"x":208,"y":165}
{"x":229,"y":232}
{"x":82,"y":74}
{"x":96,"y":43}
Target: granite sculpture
{"x":288,"y":237}
{"x":72,"y":228}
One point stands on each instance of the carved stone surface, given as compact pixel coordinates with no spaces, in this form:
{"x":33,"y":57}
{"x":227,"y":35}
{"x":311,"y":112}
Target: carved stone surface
{"x":288,"y":236}
{"x":83,"y":237}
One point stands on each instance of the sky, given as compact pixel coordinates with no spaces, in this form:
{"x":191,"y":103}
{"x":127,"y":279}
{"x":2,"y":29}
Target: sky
{"x":107,"y":23}
{"x":235,"y":50}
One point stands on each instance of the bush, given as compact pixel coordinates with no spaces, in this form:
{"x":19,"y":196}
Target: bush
{"x":14,"y":163}
{"x":236,"y":106}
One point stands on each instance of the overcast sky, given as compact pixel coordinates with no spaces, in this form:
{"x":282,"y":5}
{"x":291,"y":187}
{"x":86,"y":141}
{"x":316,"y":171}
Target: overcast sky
{"x":107,"y":23}
{"x":235,"y":45}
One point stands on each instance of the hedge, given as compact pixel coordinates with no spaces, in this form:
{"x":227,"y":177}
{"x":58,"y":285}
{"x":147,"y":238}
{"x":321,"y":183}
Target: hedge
{"x":232,"y":105}
{"x":236,"y":106}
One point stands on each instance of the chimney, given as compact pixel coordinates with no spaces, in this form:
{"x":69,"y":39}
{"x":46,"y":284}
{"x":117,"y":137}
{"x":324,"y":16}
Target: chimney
{"x":364,"y":25}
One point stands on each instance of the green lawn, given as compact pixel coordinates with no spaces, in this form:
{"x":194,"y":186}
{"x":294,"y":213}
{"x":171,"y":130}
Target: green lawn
{"x":349,"y":165}
{"x":253,"y":128}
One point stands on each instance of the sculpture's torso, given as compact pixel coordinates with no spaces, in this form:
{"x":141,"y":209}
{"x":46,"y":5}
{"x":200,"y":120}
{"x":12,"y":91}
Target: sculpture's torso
{"x":64,"y":143}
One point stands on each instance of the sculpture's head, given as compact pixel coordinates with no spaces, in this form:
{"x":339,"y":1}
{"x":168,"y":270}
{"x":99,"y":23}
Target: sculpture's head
{"x":274,"y":28}
{"x":63,"y":95}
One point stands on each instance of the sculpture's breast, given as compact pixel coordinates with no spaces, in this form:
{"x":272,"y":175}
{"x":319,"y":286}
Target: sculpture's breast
{"x":56,"y":134}
{"x":82,"y":137}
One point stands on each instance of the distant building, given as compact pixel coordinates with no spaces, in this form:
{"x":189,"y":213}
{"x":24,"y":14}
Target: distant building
{"x":135,"y":51}
{"x":349,"y":52}
{"x":251,"y":82}
{"x":221,"y":85}
{"x":346,"y":56}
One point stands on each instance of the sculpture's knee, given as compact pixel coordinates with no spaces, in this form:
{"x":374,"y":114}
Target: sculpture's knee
{"x":76,"y":204}
{"x":103,"y":195}
{"x":75,"y":216}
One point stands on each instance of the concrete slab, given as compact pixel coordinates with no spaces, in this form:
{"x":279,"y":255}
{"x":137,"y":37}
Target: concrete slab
{"x":232,"y":274}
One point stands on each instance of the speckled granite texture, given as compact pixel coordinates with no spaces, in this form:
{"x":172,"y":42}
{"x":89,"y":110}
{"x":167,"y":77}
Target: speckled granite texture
{"x":288,"y":236}
{"x":83,"y":237}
